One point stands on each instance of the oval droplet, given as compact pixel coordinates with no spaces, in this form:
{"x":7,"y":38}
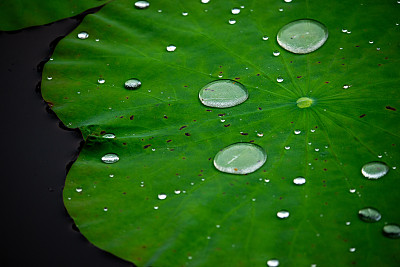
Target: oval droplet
{"x":302,"y":36}
{"x":240,"y":158}
{"x":265,"y":38}
{"x":276,"y":53}
{"x":142,"y":4}
{"x":391,"y":231}
{"x":299,"y":180}
{"x":296,"y":132}
{"x":133,"y":84}
{"x":171,"y":48}
{"x":279,"y":79}
{"x":162,"y":196}
{"x":283,"y":214}
{"x":110,"y":158}
{"x":375,"y":170}
{"x":223,"y":94}
{"x":273,"y":263}
{"x":369,"y":215}
{"x":232,"y":21}
{"x":109,"y":135}
{"x":101,"y":81}
{"x":205,"y":1}
{"x":235,"y":11}
{"x":304,"y":102}
{"x":83,"y":35}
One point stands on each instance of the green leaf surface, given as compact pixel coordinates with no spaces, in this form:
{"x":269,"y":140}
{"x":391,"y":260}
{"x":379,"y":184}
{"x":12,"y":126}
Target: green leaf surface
{"x":166,"y":139}
{"x":17,"y":14}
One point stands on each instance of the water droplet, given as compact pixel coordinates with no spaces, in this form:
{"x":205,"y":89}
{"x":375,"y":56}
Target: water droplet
{"x":110,"y":158}
{"x":369,"y":215}
{"x":142,"y":4}
{"x":83,"y":35}
{"x":109,"y":135}
{"x":287,"y":147}
{"x":283,"y":214}
{"x":223,"y":94}
{"x":374,"y":170}
{"x":232,"y":21}
{"x":299,"y":180}
{"x":312,"y":130}
{"x":288,"y":1}
{"x":304,"y":102}
{"x":101,"y":81}
{"x":97,"y":40}
{"x":265,"y":38}
{"x":78,"y":189}
{"x":205,"y":1}
{"x":297,"y":132}
{"x":260,"y":134}
{"x":162,"y":196}
{"x":105,"y":209}
{"x":352,"y":249}
{"x":348,"y":223}
{"x":391,"y":231}
{"x":273,"y":263}
{"x":132,"y":84}
{"x":218,"y":226}
{"x":266,"y":180}
{"x":235,"y":11}
{"x":302,"y":36}
{"x":185,"y":14}
{"x":240,"y":158}
{"x":49,"y":78}
{"x":344,"y":30}
{"x":171,"y":48}
{"x":156,"y":207}
{"x":316,"y":150}
{"x":279,"y":79}
{"x":111,"y":175}
{"x":346,"y":86}
{"x":177,"y":192}
{"x":276,"y":53}
{"x":371,"y":42}
{"x":352,"y":190}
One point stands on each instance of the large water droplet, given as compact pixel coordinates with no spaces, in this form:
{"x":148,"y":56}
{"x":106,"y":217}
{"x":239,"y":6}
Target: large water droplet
{"x":235,"y":11}
{"x":223,"y":94}
{"x":299,"y":180}
{"x":83,"y":35}
{"x":109,"y":135}
{"x":302,"y":36}
{"x":374,"y":170}
{"x":162,"y":196}
{"x":132,"y":84}
{"x":304,"y":102}
{"x":391,"y":230}
{"x":142,"y":4}
{"x":171,"y":48}
{"x":110,"y":158}
{"x":240,"y":158}
{"x":283,"y":214}
{"x":273,"y":263}
{"x":369,"y":215}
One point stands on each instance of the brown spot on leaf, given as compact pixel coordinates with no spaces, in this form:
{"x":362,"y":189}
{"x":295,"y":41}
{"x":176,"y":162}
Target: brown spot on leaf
{"x":131,"y":117}
{"x":146,"y":146}
{"x":187,"y":134}
{"x":227,"y":125}
{"x":362,"y":116}
{"x":169,"y":140}
{"x":390,"y":108}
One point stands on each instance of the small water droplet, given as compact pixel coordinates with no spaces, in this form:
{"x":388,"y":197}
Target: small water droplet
{"x":297,"y":132}
{"x":109,"y":135}
{"x":171,"y":48}
{"x":375,"y":170}
{"x":177,"y":192}
{"x":78,"y":189}
{"x":97,"y":40}
{"x":83,"y":35}
{"x":265,"y":38}
{"x":205,"y":1}
{"x":304,"y":102}
{"x":156,"y":207}
{"x":132,"y":84}
{"x":312,"y":130}
{"x":232,"y":21}
{"x":105,"y":209}
{"x":111,"y":175}
{"x":352,"y":249}
{"x":110,"y":158}
{"x":288,"y":1}
{"x":346,"y":86}
{"x":142,"y":4}
{"x":235,"y":11}
{"x":352,"y":190}
{"x":348,"y":223}
{"x":162,"y":196}
{"x":260,"y":134}
{"x":279,"y":79}
{"x":371,"y":42}
{"x":240,"y":158}
{"x":391,"y":231}
{"x":369,"y":215}
{"x":223,"y":94}
{"x":299,"y":180}
{"x":185,"y":14}
{"x":283,"y":214}
{"x":101,"y":81}
{"x":302,"y":36}
{"x":266,"y":180}
{"x":273,"y":263}
{"x":218,"y":226}
{"x":276,"y":53}
{"x":316,"y":150}
{"x":49,"y":78}
{"x":287,"y":147}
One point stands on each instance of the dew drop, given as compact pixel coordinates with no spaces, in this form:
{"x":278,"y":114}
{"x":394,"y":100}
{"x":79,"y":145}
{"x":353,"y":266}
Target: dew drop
{"x":142,"y":4}
{"x":391,"y":231}
{"x":260,"y":134}
{"x":352,"y":249}
{"x":109,"y":135}
{"x":302,"y":36}
{"x":232,"y":21}
{"x":273,"y":263}
{"x":132,"y":84}
{"x":171,"y":48}
{"x":369,"y":215}
{"x":276,"y":53}
{"x":287,"y":147}
{"x":297,"y":132}
{"x":223,"y":94}
{"x":371,"y":42}
{"x":352,"y":190}
{"x":283,"y":214}
{"x":375,"y":170}
{"x":288,"y":1}
{"x":205,"y":1}
{"x":177,"y":192}
{"x":235,"y":11}
{"x":312,"y":130}
{"x":78,"y":189}
{"x":279,"y":79}
{"x":105,"y":209}
{"x":346,"y":86}
{"x":265,"y":38}
{"x":101,"y":81}
{"x":185,"y":14}
{"x":156,"y":207}
{"x":110,"y":158}
{"x":49,"y":78}
{"x":299,"y":180}
{"x":240,"y":158}
{"x":348,"y":223}
{"x":111,"y":175}
{"x":162,"y":196}
{"x":304,"y":102}
{"x":83,"y":35}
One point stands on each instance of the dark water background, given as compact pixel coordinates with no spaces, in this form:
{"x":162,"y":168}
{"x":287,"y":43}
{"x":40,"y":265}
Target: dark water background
{"x":36,"y":153}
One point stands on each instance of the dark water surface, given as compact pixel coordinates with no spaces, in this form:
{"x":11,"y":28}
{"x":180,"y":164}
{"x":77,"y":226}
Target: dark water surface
{"x":36,"y":152}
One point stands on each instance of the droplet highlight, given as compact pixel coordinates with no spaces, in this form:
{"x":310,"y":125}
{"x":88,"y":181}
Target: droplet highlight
{"x":369,"y":215}
{"x":109,"y":135}
{"x":132,"y":84}
{"x":162,"y":196}
{"x":142,"y":4}
{"x":283,"y":214}
{"x":391,"y":231}
{"x":232,"y":21}
{"x":171,"y":48}
{"x":83,"y":35}
{"x":235,"y":11}
{"x":276,"y":53}
{"x":273,"y":263}
{"x":110,"y":158}
{"x":375,"y":170}
{"x":299,"y":180}
{"x":223,"y":94}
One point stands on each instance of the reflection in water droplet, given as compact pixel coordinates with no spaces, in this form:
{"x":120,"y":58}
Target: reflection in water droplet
{"x":132,"y":84}
{"x":299,"y":180}
{"x":276,"y":53}
{"x":297,"y":132}
{"x":162,"y":196}
{"x":232,"y":21}
{"x":279,"y":79}
{"x":391,"y":231}
{"x":273,"y":263}
{"x":265,"y":38}
{"x":240,"y":158}
{"x":348,"y":223}
{"x":171,"y":48}
{"x":302,"y":36}
{"x":109,"y":135}
{"x":110,"y":158}
{"x":374,"y":170}
{"x":101,"y":81}
{"x":304,"y":102}
{"x":235,"y":11}
{"x":156,"y":207}
{"x":283,"y":214}
{"x":223,"y":94}
{"x":352,"y":249}
{"x":142,"y":4}
{"x":369,"y":215}
{"x":78,"y":189}
{"x":83,"y":35}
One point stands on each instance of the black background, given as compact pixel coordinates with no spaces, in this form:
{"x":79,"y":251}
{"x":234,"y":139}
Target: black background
{"x":37,"y":150}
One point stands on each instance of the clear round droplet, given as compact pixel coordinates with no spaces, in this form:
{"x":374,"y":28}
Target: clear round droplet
{"x":110,"y":158}
{"x":223,"y":94}
{"x":235,"y":11}
{"x":375,"y":170}
{"x":101,"y":81}
{"x":142,"y":4}
{"x":369,"y":215}
{"x":287,"y":147}
{"x":279,"y":79}
{"x":297,"y":132}
{"x":302,"y":36}
{"x":304,"y":102}
{"x":240,"y":158}
{"x":171,"y":48}
{"x":299,"y":180}
{"x":391,"y":231}
{"x":132,"y":84}
{"x":276,"y":53}
{"x":162,"y":196}
{"x":83,"y":35}
{"x":265,"y":38}
{"x":232,"y":21}
{"x":109,"y":135}
{"x":283,"y":214}
{"x":273,"y":263}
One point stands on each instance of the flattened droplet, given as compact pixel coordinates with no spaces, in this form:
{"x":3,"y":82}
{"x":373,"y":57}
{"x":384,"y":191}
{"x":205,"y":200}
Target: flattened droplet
{"x":223,"y":94}
{"x":273,"y":263}
{"x":240,"y":158}
{"x":132,"y":84}
{"x":109,"y":135}
{"x":235,"y":11}
{"x":302,"y":36}
{"x":110,"y":158}
{"x":142,"y":4}
{"x":304,"y":102}
{"x":369,"y":215}
{"x":162,"y":196}
{"x":276,"y":53}
{"x":283,"y":214}
{"x":296,"y":132}
{"x":391,"y":231}
{"x":232,"y":21}
{"x":83,"y":35}
{"x":171,"y":48}
{"x":299,"y":180}
{"x":375,"y":170}
{"x":101,"y":81}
